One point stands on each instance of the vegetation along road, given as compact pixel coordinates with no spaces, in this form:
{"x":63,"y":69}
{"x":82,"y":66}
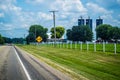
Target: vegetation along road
{"x":80,"y":65}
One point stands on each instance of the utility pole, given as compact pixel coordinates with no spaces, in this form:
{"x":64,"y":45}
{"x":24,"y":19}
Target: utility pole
{"x":24,"y":40}
{"x":54,"y":27}
{"x":35,"y":34}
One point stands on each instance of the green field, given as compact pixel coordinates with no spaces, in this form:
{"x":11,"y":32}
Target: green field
{"x":88,"y":64}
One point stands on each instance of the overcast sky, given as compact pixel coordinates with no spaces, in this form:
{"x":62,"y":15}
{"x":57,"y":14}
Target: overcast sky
{"x":16,"y":16}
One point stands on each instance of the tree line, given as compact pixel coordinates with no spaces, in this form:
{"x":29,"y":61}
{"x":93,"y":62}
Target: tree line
{"x":34,"y":32}
{"x":80,"y":33}
{"x":1,"y":39}
{"x":11,"y":40}
{"x":105,"y":32}
{"x":38,"y":30}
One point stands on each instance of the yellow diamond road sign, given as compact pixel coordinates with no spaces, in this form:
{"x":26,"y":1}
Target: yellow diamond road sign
{"x":39,"y":39}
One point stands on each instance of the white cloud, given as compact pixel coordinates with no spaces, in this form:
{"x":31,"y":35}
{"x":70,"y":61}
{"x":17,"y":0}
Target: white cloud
{"x":6,"y":4}
{"x":13,"y":13}
{"x":119,"y":15}
{"x":97,"y":9}
{"x":35,"y":1}
{"x":1,"y":14}
{"x":3,"y":7}
{"x":107,"y":16}
{"x":68,"y":6}
{"x":109,"y":19}
{"x":6,"y":27}
{"x":14,"y":8}
{"x":118,"y":1}
{"x":44,"y":16}
{"x":10,"y":8}
{"x":24,"y":19}
{"x":68,"y":11}
{"x":7,"y":1}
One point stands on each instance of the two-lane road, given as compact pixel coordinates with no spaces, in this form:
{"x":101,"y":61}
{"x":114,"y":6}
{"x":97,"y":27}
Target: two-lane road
{"x":16,"y":64}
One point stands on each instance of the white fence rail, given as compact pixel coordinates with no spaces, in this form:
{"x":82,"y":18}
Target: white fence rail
{"x":104,"y":47}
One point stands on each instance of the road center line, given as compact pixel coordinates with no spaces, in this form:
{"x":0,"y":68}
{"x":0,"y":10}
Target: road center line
{"x":25,"y":70}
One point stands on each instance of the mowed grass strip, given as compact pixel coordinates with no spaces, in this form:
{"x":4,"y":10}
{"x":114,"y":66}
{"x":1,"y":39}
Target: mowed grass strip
{"x":93,"y":66}
{"x":109,"y":47}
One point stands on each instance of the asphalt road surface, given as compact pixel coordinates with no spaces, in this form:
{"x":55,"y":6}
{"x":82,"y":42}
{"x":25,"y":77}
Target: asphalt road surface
{"x":16,"y":64}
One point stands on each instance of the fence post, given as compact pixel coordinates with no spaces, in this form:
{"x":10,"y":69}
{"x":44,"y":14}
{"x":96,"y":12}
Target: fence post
{"x":87,"y":46}
{"x":75,"y":45}
{"x":81,"y":46}
{"x":67,"y":45}
{"x":71,"y":45}
{"x":60,"y":44}
{"x":64,"y":45}
{"x":94,"y":47}
{"x":46,"y":44}
{"x":103,"y":47}
{"x":115,"y":48}
{"x":51,"y":44}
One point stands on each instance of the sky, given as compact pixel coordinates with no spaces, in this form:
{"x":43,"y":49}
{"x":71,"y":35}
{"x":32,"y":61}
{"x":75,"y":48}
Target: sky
{"x":16,"y":16}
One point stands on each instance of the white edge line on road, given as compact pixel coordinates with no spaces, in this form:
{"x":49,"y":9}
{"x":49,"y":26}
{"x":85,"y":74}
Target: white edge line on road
{"x":25,"y":70}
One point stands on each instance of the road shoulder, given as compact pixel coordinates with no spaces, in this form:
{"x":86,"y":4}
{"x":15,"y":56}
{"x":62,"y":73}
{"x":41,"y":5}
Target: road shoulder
{"x":43,"y":63}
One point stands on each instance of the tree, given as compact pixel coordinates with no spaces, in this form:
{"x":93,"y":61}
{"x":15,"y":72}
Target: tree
{"x":69,"y":34}
{"x":30,"y":37}
{"x":17,"y":40}
{"x":59,"y":32}
{"x":79,"y":33}
{"x":115,"y":33}
{"x":35,"y":31}
{"x":7,"y":40}
{"x":1,"y":40}
{"x":103,"y":31}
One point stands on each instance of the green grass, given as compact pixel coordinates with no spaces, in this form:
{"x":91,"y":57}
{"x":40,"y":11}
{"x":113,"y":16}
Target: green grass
{"x":91,"y":65}
{"x":99,"y":47}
